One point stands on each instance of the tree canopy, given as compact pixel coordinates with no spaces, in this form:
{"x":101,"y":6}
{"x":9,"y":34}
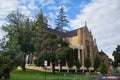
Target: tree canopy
{"x":61,"y":20}
{"x":116,"y":54}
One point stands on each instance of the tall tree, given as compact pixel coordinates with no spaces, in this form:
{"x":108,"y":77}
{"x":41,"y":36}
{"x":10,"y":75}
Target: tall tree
{"x":25,"y":41}
{"x":61,"y":20}
{"x":116,"y":55}
{"x":60,"y":52}
{"x":12,"y":47}
{"x":39,"y":29}
{"x":19,"y":36}
{"x":49,"y":45}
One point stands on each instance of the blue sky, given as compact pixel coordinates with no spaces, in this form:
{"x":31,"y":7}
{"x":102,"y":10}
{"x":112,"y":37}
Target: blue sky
{"x":102,"y":16}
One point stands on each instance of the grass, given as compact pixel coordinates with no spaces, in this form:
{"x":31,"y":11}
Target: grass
{"x":38,"y":75}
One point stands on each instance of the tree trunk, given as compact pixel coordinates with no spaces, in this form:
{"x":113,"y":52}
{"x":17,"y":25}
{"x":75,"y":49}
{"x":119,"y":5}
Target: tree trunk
{"x":23,"y":65}
{"x":60,"y":67}
{"x":53,"y":67}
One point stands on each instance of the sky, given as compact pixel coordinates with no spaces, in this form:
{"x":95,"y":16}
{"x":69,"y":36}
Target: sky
{"x":102,"y":16}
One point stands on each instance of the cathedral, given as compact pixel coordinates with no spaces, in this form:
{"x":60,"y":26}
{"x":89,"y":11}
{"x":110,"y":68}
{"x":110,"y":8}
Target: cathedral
{"x":82,"y":41}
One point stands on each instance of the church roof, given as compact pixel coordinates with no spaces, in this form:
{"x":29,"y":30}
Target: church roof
{"x":102,"y":53}
{"x":71,"y":33}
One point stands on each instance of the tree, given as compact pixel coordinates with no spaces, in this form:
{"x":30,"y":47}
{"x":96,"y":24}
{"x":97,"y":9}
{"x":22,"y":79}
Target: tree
{"x":96,"y":63}
{"x":39,"y":30}
{"x":25,"y":41}
{"x":116,"y":55}
{"x":103,"y":69}
{"x":87,"y":62}
{"x":60,"y":52}
{"x":77,"y":64}
{"x":61,"y":20}
{"x":19,"y":37}
{"x":69,"y":57}
{"x":49,"y":45}
{"x":64,"y":54}
{"x":6,"y":66}
{"x":11,"y":45}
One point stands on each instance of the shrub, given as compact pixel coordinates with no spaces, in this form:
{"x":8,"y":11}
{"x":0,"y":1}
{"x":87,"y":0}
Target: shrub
{"x":6,"y":66}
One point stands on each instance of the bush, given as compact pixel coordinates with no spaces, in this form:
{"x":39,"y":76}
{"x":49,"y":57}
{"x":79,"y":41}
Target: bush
{"x":77,"y":64}
{"x":6,"y":66}
{"x":103,"y":69}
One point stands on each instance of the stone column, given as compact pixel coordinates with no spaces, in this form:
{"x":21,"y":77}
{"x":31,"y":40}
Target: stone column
{"x":26,"y":59}
{"x":79,"y":55}
{"x":83,"y":56}
{"x":51,"y":66}
{"x":67,"y":67}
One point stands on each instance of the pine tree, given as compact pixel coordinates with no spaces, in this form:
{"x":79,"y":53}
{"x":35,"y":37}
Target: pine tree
{"x":61,"y":20}
{"x":39,"y":30}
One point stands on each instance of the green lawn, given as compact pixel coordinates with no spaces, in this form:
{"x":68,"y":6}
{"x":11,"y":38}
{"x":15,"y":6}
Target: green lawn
{"x":38,"y":75}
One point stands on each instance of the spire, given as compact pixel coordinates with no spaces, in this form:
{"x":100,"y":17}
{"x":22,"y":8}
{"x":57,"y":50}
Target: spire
{"x":85,"y":24}
{"x":85,"y":27}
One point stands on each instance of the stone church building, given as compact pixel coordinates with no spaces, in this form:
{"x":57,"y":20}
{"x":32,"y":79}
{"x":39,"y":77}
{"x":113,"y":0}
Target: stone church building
{"x":83,"y":42}
{"x":85,"y":45}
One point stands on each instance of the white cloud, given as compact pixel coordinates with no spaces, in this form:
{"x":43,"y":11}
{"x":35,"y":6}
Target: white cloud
{"x":51,"y":19}
{"x":46,"y":2}
{"x":65,"y":1}
{"x":7,"y":6}
{"x":2,"y":33}
{"x":31,"y":5}
{"x":103,"y":18}
{"x":56,"y":8}
{"x":52,"y":7}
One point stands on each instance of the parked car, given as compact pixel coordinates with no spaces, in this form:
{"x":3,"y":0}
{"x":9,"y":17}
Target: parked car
{"x":109,"y":78}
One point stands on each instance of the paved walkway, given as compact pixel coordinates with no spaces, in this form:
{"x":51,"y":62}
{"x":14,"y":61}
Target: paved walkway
{"x":36,"y":68}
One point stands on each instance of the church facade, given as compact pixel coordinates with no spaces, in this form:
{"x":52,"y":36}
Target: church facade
{"x":83,"y":42}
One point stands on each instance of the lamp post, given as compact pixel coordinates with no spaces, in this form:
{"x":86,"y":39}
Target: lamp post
{"x":45,"y":65}
{"x":59,"y":65}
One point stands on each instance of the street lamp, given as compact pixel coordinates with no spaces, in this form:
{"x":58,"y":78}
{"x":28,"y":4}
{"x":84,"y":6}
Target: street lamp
{"x":45,"y":65}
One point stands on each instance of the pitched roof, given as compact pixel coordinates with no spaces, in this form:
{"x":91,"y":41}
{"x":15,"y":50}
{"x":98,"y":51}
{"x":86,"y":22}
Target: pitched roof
{"x":73,"y":32}
{"x":102,"y":53}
